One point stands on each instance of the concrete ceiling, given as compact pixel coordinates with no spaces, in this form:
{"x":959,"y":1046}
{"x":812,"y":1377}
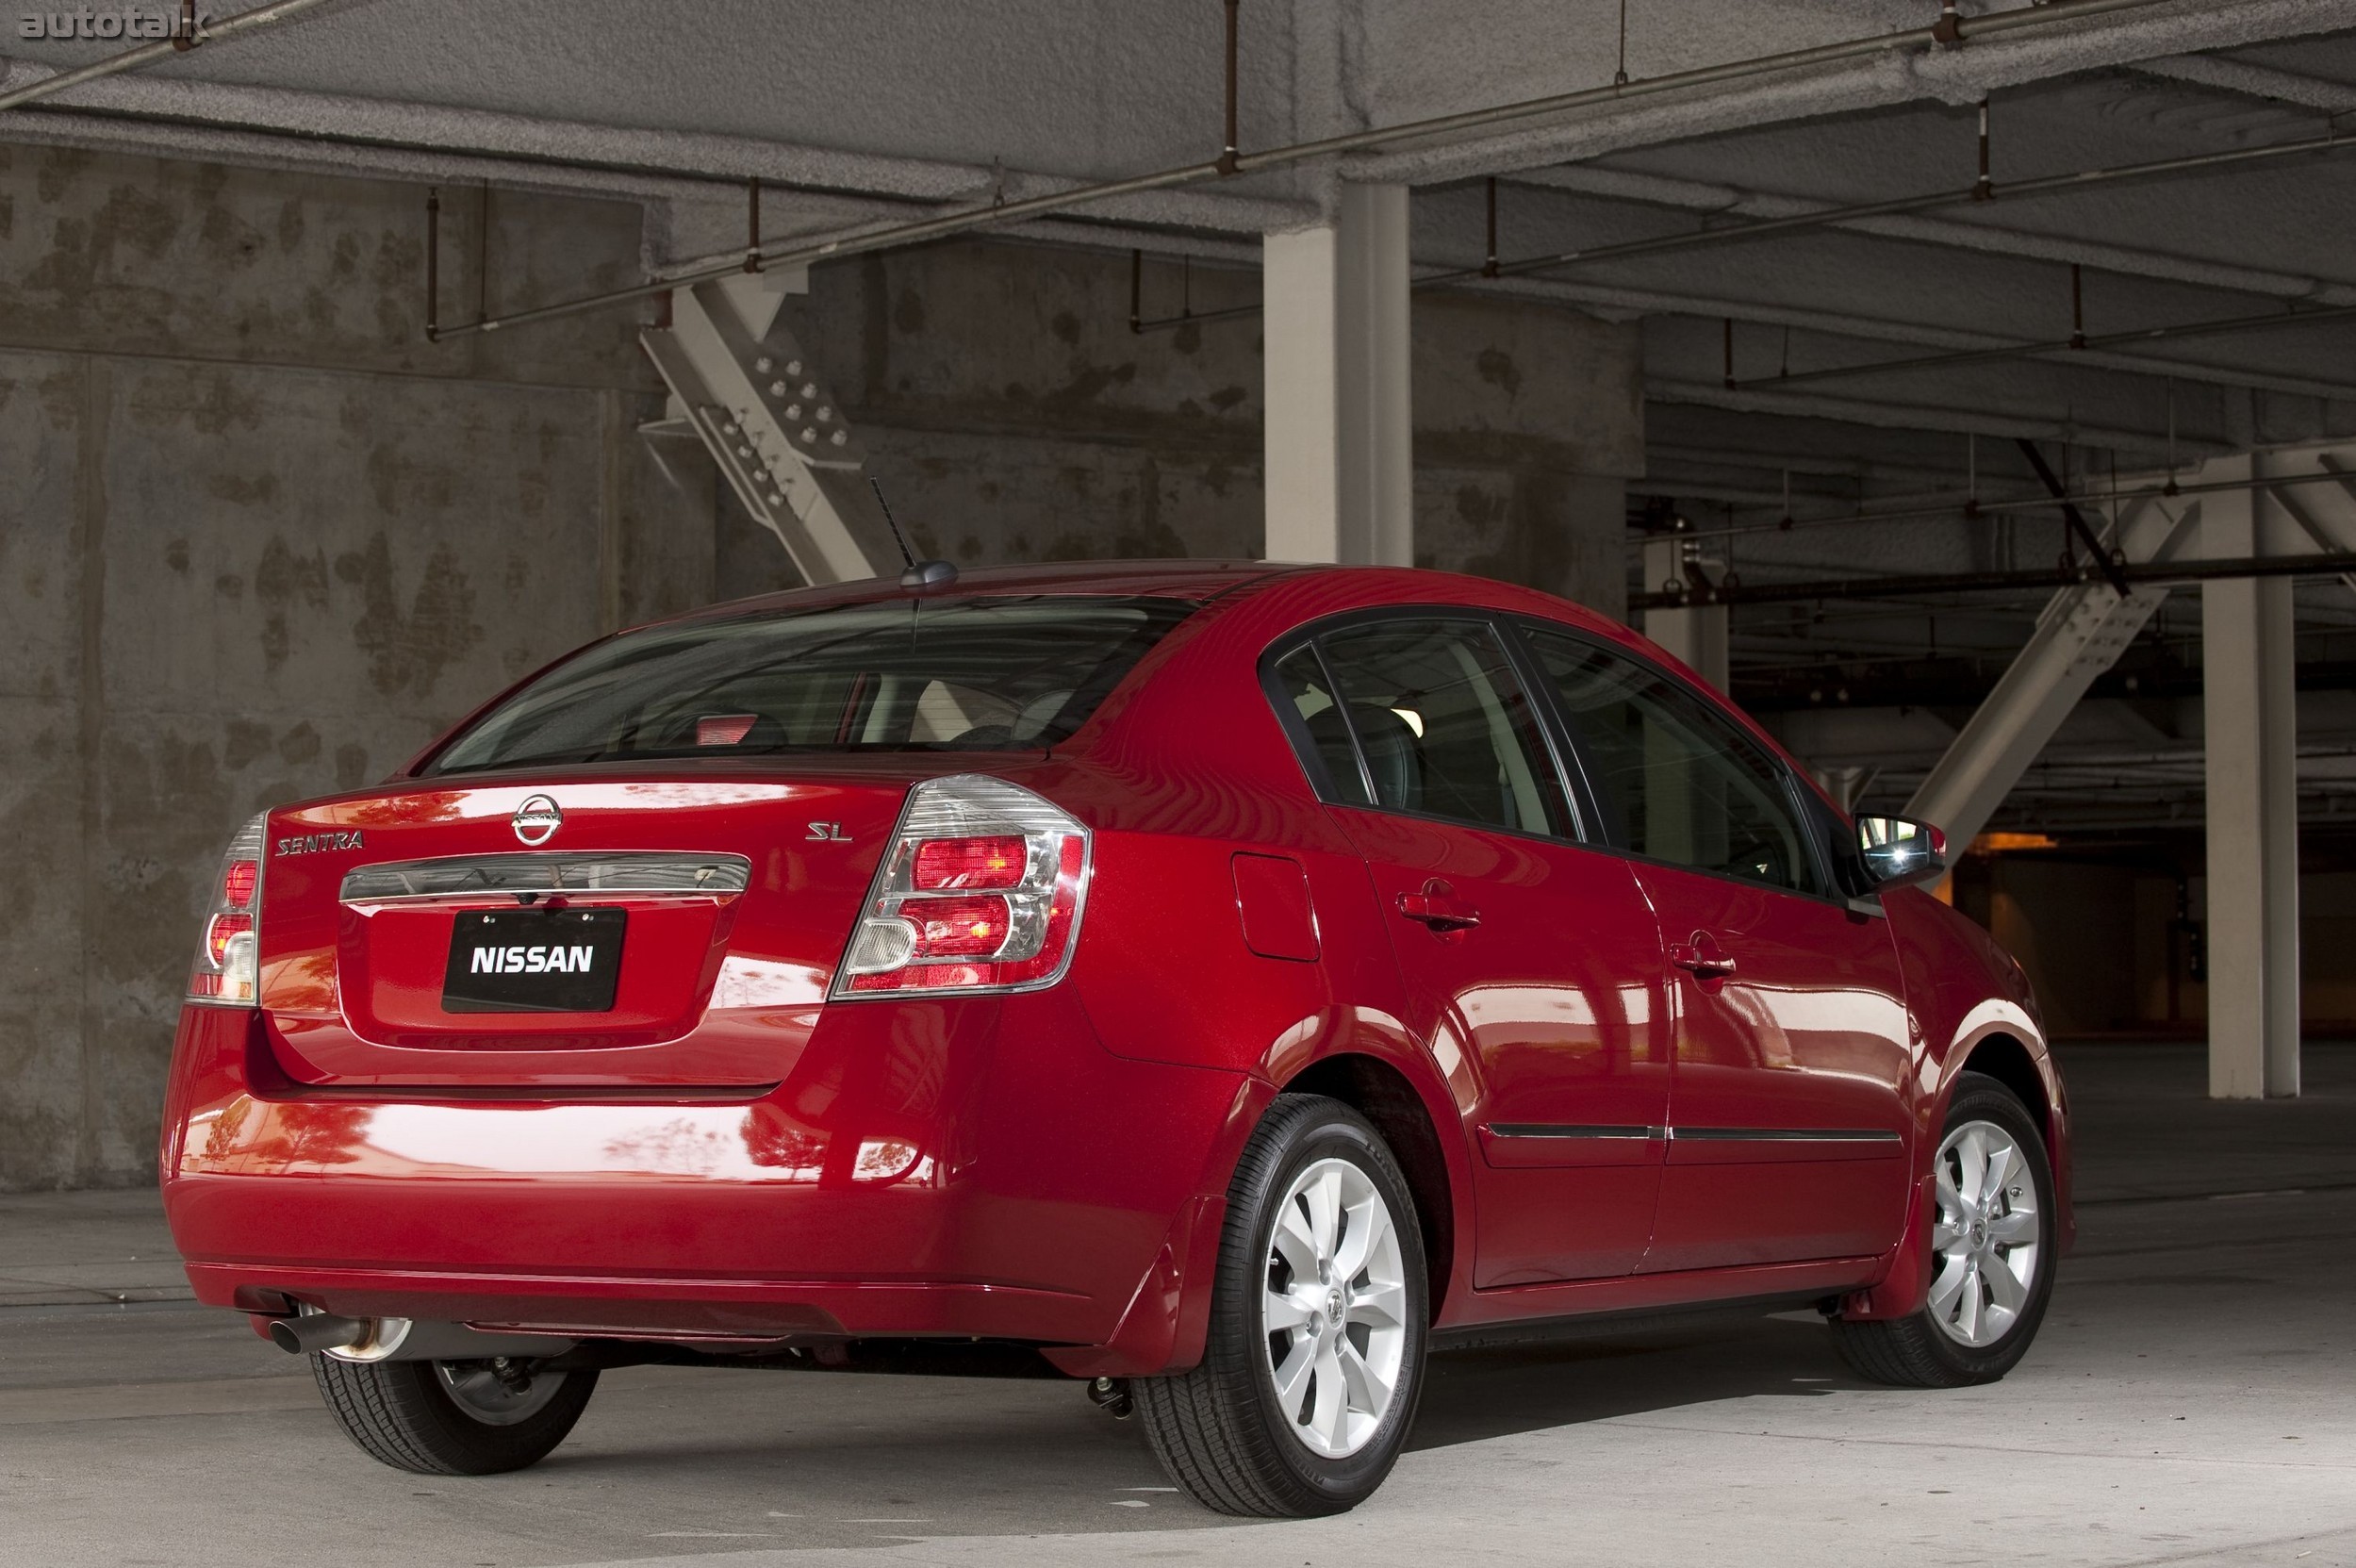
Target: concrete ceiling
{"x":879,"y":111}
{"x":886,"y":110}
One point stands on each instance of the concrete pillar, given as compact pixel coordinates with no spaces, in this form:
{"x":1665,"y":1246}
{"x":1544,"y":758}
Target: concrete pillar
{"x":1341,"y":464}
{"x":1697,"y":635}
{"x":2248,"y":697}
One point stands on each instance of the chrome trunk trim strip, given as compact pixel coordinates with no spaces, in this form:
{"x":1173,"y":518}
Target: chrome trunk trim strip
{"x":656,"y":873}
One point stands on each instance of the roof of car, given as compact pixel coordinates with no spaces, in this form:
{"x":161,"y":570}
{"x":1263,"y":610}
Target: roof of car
{"x":1188,"y":580}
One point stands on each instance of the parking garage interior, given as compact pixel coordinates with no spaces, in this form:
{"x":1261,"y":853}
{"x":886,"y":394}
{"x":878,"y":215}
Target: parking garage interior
{"x":1961,"y":387}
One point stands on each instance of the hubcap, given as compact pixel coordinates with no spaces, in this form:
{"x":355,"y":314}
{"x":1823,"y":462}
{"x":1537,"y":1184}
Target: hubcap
{"x":1989,"y":1237}
{"x":499,"y":1392}
{"x":1333,"y":1312}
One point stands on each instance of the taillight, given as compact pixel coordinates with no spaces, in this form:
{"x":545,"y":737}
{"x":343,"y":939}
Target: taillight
{"x":227,"y":969}
{"x":980,"y":890}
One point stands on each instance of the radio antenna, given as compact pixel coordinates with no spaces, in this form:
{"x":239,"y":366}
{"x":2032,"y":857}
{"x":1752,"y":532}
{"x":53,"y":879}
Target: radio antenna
{"x":905,"y":554}
{"x":920,"y":574}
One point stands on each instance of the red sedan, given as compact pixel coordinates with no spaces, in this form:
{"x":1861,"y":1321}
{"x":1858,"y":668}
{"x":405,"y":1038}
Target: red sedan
{"x":1220,"y":984}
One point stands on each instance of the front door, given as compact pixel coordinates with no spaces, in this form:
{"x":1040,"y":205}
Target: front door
{"x":1788,"y":1116}
{"x":1531,"y":962}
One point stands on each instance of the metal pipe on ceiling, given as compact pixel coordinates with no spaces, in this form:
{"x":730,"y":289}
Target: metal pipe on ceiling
{"x":1801,"y":222}
{"x":2025,"y":18}
{"x":2112,"y":570}
{"x":2012,"y":191}
{"x":1969,"y":508}
{"x":2077,"y":342}
{"x":162,"y":49}
{"x":2135,"y":573}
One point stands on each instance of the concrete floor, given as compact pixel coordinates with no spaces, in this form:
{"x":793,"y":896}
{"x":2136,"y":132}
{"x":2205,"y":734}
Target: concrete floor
{"x":2189,"y":1402}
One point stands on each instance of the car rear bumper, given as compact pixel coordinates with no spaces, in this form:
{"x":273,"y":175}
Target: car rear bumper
{"x":977,"y":1170}
{"x":665,"y":1307}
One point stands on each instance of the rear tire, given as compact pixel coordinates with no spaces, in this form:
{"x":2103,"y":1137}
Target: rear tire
{"x":1992,"y":1253}
{"x":451,"y":1418}
{"x":1321,"y":1288}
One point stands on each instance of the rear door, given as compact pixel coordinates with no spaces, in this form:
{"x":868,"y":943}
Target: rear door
{"x":1789,"y":1111}
{"x":1530,"y":960}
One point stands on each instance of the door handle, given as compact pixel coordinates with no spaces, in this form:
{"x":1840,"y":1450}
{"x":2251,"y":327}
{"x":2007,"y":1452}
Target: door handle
{"x":1701,"y":957}
{"x":1438,"y":908}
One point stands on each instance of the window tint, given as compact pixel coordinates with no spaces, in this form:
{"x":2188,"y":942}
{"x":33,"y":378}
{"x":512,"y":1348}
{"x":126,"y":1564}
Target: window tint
{"x":1301,"y":686}
{"x":964,"y":675}
{"x":1442,"y":725}
{"x":1673,"y":780}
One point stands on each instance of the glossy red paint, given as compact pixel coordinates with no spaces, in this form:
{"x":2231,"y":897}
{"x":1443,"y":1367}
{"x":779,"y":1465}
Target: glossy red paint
{"x":1803,"y":1029}
{"x":1550,"y":1011}
{"x":729,"y":1154}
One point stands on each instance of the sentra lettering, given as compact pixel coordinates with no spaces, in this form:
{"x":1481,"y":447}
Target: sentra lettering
{"x":313,"y":843}
{"x":555,"y":959}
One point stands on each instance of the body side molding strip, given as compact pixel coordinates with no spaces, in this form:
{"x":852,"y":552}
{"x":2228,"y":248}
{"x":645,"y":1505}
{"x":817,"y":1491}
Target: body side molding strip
{"x":1784,"y":1135}
{"x":1696,"y":1135}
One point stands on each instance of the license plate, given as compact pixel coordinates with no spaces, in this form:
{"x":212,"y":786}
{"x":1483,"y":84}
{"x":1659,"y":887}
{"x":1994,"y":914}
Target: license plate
{"x":534,"y":961}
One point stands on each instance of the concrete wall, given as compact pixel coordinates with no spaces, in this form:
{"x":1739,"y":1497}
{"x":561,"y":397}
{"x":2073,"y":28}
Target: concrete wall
{"x":259,"y":541}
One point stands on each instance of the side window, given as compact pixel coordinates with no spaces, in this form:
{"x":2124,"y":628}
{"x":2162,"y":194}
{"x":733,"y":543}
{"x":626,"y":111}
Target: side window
{"x":1674,"y":781}
{"x":1442,"y":725}
{"x":1301,"y":687}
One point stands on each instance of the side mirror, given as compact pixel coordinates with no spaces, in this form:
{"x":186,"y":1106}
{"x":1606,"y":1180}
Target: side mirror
{"x":1899,"y":849}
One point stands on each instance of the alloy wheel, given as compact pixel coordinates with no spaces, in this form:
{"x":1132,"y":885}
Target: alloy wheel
{"x":1334,"y":1307}
{"x":1988,"y":1237}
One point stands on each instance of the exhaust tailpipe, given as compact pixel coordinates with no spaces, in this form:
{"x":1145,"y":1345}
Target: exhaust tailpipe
{"x":401,"y":1339}
{"x":314,"y":1332}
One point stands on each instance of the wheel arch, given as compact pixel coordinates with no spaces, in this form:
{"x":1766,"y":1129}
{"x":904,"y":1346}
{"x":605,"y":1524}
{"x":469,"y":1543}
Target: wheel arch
{"x":1385,"y":1096}
{"x":2007,"y":1059}
{"x":1999,"y":1040}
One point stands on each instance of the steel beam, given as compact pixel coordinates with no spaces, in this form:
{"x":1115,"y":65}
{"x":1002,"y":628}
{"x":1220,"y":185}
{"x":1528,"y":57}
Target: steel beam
{"x":2081,"y":631}
{"x":744,"y":387}
{"x":2254,"y":506}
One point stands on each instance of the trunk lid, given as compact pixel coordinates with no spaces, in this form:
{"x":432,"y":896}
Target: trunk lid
{"x":735,"y":893}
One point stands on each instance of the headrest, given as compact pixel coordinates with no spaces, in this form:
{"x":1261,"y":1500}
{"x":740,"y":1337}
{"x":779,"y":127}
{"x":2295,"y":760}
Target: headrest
{"x":1393,"y":752}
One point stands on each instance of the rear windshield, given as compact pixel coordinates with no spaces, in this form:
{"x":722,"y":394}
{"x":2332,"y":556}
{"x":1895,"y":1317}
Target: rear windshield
{"x":967,"y":675}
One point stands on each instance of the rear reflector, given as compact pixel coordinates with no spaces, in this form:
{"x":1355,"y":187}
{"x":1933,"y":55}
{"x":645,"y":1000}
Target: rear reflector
{"x":227,"y":967}
{"x":930,"y":926}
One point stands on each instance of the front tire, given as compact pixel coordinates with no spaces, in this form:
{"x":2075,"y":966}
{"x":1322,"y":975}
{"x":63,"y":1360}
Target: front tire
{"x":453,"y":1418}
{"x":1992,"y":1253}
{"x":1314,"y":1359}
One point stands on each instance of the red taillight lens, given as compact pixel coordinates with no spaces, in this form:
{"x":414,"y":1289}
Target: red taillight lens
{"x":238,"y":880}
{"x":957,"y":928}
{"x":945,"y":865}
{"x":980,"y":890}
